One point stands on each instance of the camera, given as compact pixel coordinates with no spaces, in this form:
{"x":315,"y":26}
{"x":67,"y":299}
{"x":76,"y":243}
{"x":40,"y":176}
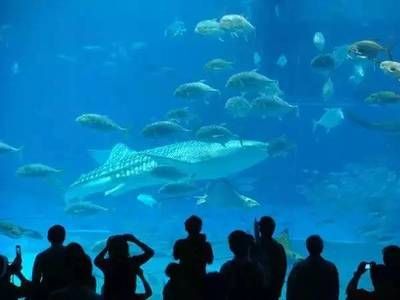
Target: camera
{"x":367,"y":266}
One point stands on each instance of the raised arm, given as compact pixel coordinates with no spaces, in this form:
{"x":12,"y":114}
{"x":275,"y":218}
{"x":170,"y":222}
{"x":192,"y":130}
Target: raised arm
{"x":148,"y":292}
{"x":147,"y":251}
{"x":100,"y":258}
{"x":353,"y":283}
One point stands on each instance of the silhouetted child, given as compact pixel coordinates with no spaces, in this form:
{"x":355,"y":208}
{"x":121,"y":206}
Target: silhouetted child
{"x":313,"y":278}
{"x":193,"y":254}
{"x":120,"y":269}
{"x":243,"y":279}
{"x":175,"y":288}
{"x":49,"y":269}
{"x":270,"y":256}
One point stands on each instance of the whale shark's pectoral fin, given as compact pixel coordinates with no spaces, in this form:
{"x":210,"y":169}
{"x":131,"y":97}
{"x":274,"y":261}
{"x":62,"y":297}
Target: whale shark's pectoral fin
{"x":115,"y":190}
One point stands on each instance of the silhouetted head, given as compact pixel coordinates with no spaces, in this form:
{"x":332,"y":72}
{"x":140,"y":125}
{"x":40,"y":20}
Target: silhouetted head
{"x":173,"y":270}
{"x":267,"y":226}
{"x":118,"y":247}
{"x":74,"y":250}
{"x":193,"y":225}
{"x":391,"y":256}
{"x":56,"y":235}
{"x":315,"y":245}
{"x":239,"y":243}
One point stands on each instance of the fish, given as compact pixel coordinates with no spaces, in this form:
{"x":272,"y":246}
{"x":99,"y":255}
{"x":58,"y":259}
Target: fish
{"x":328,"y":89}
{"x":282,"y":61}
{"x":16,"y":232}
{"x":218,"y":64}
{"x":168,"y":173}
{"x":280,"y":147}
{"x":147,"y":200}
{"x":274,"y":107}
{"x":195,"y":90}
{"x":161,"y":129}
{"x":391,"y":126}
{"x":284,"y":239}
{"x":36,"y":170}
{"x":331,"y":118}
{"x":367,"y":49}
{"x":215,"y":134}
{"x":323,"y":63}
{"x":358,"y":74}
{"x":238,"y":107}
{"x":252,"y":81}
{"x":177,"y":189}
{"x":99,"y":122}
{"x":175,"y":29}
{"x":221,"y":193}
{"x":319,"y":41}
{"x":236,"y":25}
{"x":257,"y":59}
{"x":126,"y":170}
{"x":383,"y":98}
{"x":179,"y":114}
{"x":6,"y":148}
{"x":391,"y":67}
{"x":210,"y":28}
{"x":84,"y":208}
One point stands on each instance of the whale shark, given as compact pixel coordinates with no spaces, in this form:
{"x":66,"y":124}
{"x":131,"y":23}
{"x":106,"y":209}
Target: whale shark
{"x":126,"y":170}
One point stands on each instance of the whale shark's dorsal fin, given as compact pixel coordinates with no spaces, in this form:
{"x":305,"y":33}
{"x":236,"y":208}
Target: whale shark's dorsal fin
{"x":102,"y":156}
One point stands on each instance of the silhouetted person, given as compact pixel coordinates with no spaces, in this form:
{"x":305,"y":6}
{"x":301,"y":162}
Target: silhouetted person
{"x":8,"y":290}
{"x":193,"y":253}
{"x":81,"y":282}
{"x":76,"y":256}
{"x":176,"y":287}
{"x":214,"y":286}
{"x":270,"y":256}
{"x":49,"y":269}
{"x":385,"y":278}
{"x":148,"y":292}
{"x":120,"y":269}
{"x":243,"y":279}
{"x":313,"y":278}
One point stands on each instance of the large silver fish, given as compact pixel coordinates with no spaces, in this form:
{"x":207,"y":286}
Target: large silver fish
{"x":127,"y":170}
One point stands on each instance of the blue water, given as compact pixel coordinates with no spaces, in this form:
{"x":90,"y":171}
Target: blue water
{"x":47,"y":79}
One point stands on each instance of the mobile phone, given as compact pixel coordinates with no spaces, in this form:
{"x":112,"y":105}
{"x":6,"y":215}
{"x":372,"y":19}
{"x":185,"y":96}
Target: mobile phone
{"x":18,"y":250}
{"x":367,"y":266}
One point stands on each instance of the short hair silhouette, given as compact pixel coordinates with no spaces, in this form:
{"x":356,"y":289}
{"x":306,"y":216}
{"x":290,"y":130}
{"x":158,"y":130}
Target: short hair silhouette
{"x":267,"y":226}
{"x":239,"y":243}
{"x":315,"y":245}
{"x":391,"y":256}
{"x":56,"y":234}
{"x":118,"y":247}
{"x":193,"y":225}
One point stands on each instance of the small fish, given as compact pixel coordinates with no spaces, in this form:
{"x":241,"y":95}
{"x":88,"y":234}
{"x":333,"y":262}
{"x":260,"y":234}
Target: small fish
{"x":168,"y":173}
{"x":358,"y":74}
{"x":282,"y":61}
{"x":323,"y":63}
{"x":147,"y":200}
{"x":253,"y":81}
{"x":328,"y":89}
{"x":383,"y":98}
{"x":280,"y":147}
{"x":238,"y":107}
{"x":179,"y":114}
{"x":237,"y":25}
{"x":319,"y":41}
{"x":367,"y":49}
{"x":163,"y":129}
{"x":195,"y":90}
{"x":99,"y":122}
{"x":391,"y":67}
{"x":36,"y":170}
{"x":330,"y":119}
{"x":84,"y":208}
{"x":210,"y":28}
{"x":218,"y":64}
{"x":215,"y":134}
{"x":274,"y":107}
{"x":5,"y":148}
{"x":177,"y":189}
{"x":15,"y":69}
{"x":16,"y":232}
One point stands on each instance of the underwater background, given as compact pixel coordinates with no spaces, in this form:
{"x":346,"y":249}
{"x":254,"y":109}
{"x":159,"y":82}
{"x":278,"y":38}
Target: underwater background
{"x":61,"y":59}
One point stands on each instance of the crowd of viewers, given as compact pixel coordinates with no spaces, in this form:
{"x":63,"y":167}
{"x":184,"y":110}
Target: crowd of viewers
{"x":257,"y":270}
